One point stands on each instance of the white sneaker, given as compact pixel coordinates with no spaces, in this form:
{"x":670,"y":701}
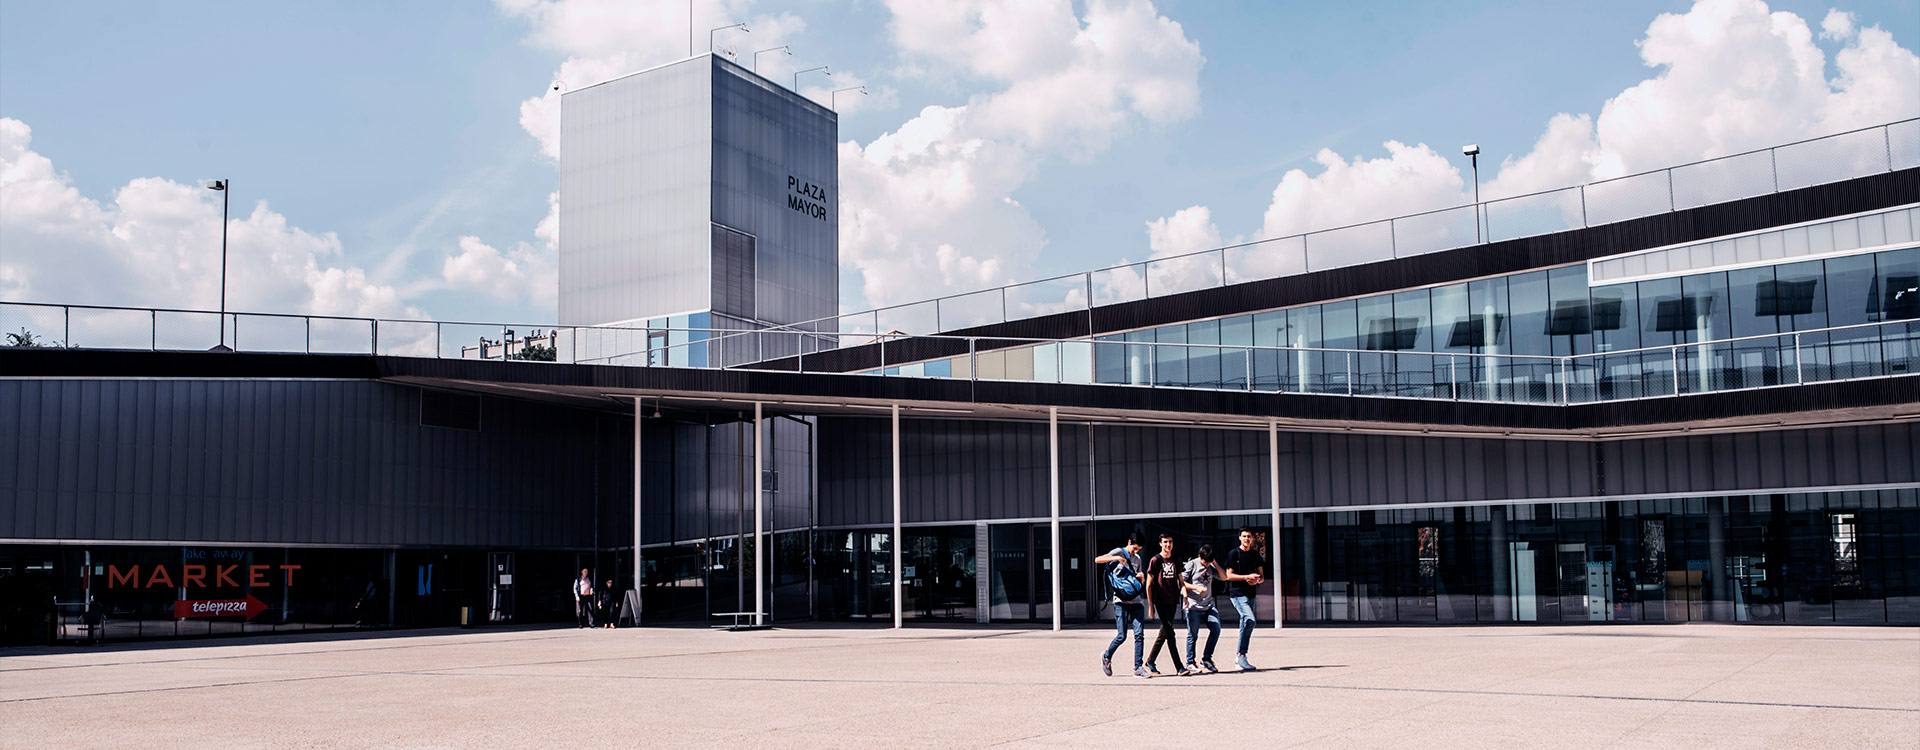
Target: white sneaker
{"x":1244,"y":666}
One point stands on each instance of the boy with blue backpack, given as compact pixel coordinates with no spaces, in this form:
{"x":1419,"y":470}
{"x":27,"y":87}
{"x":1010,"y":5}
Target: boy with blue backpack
{"x":1127,"y":580}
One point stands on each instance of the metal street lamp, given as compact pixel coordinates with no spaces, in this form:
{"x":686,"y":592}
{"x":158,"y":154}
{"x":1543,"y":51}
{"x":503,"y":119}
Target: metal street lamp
{"x":796,"y":76}
{"x":225,"y":195}
{"x":756,"y":55}
{"x":1472,"y":151}
{"x":833,"y":99}
{"x":712,"y":32}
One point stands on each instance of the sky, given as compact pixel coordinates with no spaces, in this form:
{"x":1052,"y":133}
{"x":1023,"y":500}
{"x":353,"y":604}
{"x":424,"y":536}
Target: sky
{"x":398,"y":159}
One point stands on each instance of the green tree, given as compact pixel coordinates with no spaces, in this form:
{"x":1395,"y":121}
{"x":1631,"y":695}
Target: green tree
{"x":535,"y":353}
{"x":24,"y":338}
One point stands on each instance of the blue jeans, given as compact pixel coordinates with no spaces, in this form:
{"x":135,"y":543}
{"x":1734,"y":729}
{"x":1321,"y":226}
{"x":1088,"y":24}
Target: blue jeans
{"x":1124,"y":614}
{"x":1208,"y":617}
{"x":1244,"y":604}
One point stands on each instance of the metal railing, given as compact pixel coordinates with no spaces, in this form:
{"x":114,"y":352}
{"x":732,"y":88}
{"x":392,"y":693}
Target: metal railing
{"x":1869,"y":350}
{"x":1790,"y":166}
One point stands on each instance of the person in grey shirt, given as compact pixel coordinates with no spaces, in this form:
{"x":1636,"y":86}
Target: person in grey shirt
{"x":1197,"y":597}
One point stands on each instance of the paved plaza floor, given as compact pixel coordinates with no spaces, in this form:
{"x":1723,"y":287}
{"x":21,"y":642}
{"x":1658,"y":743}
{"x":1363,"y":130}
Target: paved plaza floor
{"x":1692,"y":686}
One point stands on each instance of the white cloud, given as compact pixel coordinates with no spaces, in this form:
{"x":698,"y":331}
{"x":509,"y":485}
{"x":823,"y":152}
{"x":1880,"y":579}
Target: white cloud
{"x":1188,"y":230}
{"x":604,"y":39}
{"x":1733,"y":76}
{"x":480,"y":267}
{"x":1409,"y":179}
{"x":927,"y":209}
{"x":924,"y":209}
{"x":156,"y":243}
{"x":1067,"y":82}
{"x":1837,"y":25}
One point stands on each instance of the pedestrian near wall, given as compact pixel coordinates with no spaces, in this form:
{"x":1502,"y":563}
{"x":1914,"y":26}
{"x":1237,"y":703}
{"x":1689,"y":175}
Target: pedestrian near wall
{"x":1197,"y":595}
{"x":1128,"y":611}
{"x":583,"y":600}
{"x":1163,"y":595}
{"x":609,"y":605}
{"x":1245,"y":569}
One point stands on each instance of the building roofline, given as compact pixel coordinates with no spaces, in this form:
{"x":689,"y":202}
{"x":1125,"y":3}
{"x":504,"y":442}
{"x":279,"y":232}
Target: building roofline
{"x":731,"y":67}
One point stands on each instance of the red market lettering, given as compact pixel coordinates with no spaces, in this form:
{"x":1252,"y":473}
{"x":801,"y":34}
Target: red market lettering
{"x":196,"y":575}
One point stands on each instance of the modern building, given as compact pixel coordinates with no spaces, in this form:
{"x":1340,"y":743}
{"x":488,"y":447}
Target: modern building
{"x":1688,"y":395}
{"x":696,"y":195}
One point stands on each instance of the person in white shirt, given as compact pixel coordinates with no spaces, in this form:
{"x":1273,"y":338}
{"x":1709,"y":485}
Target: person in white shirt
{"x":583,"y":600}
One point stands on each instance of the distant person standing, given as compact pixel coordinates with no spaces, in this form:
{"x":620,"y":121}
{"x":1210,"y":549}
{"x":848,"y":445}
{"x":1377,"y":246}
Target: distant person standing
{"x":583,"y":600}
{"x":1245,"y":570}
{"x":1127,"y":608}
{"x":1197,"y":590}
{"x":609,"y":605}
{"x":1163,"y":595}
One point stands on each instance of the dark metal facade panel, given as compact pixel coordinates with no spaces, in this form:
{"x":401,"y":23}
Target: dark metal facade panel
{"x":299,"y":462}
{"x":1172,"y":471}
{"x":951,"y":471}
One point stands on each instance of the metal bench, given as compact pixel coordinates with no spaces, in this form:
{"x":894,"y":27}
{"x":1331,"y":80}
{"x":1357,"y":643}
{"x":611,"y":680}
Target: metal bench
{"x":736,"y":626}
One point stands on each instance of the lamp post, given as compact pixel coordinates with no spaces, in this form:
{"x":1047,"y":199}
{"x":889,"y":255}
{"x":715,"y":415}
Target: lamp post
{"x":1472,"y":152}
{"x":796,"y":76}
{"x":225,"y":195}
{"x":756,"y":55}
{"x":833,"y":99}
{"x":711,"y":33}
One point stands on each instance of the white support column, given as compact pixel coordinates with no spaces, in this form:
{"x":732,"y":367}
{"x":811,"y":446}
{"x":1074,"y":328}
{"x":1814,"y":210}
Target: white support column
{"x":759,"y":517}
{"x":898,"y":589}
{"x":639,"y":568}
{"x":1273,"y":535}
{"x":1053,"y":491}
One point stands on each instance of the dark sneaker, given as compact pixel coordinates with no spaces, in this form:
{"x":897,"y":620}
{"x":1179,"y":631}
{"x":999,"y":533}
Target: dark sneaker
{"x":1154,"y":668}
{"x":1141,"y":672}
{"x":1244,"y":666}
{"x":1106,"y":665}
{"x":1208,"y":663}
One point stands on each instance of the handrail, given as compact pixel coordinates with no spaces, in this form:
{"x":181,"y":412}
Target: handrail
{"x":1504,"y":377}
{"x":1479,"y":205}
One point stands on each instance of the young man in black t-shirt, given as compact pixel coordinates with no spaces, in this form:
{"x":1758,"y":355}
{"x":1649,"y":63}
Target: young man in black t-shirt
{"x":1244,"y":570}
{"x":1163,"y":595}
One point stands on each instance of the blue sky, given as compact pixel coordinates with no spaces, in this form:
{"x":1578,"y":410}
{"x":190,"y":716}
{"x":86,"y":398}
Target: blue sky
{"x":396,"y":127}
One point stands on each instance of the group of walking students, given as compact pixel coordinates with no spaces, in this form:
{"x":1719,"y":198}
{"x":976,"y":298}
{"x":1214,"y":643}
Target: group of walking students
{"x":1171,"y":587}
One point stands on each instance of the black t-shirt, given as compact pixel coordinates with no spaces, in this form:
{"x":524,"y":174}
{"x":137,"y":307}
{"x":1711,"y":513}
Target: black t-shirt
{"x":1245,"y":563}
{"x":1163,"y":579}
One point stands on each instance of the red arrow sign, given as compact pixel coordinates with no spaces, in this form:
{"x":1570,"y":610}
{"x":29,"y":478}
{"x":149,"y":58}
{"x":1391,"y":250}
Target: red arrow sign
{"x":249,"y":607}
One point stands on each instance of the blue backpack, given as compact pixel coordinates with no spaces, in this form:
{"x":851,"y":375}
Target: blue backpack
{"x":1122,"y":579}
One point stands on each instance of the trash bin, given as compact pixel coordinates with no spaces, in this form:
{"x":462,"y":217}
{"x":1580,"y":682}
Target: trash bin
{"x":466,"y":617}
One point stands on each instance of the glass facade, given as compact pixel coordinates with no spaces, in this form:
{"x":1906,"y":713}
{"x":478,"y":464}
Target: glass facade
{"x":48,"y":589}
{"x":1837,"y":557}
{"x":1423,"y":342}
{"x":1553,"y":337}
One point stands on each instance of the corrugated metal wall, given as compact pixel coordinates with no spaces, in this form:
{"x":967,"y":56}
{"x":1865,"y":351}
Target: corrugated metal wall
{"x":963,"y":471}
{"x":699,"y":477}
{"x":951,"y":470}
{"x":302,"y":462}
{"x":346,"y":462}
